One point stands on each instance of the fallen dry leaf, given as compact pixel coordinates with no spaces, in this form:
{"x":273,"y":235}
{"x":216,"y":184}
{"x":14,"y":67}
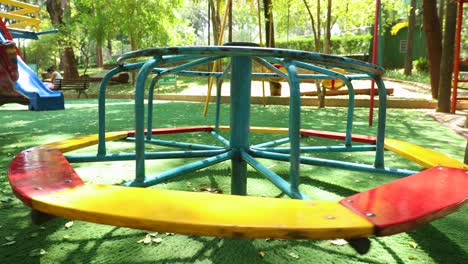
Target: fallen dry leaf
{"x":339,"y":242}
{"x":211,"y":190}
{"x":157,"y":240}
{"x":146,"y":240}
{"x":294,"y":255}
{"x":261,"y":253}
{"x":413,"y":244}
{"x":37,"y":252}
{"x":69,"y":224}
{"x":8,"y":243}
{"x":6,"y":199}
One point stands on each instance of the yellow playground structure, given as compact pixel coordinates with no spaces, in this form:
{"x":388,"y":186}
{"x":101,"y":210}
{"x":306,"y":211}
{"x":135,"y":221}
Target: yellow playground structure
{"x":25,"y":15}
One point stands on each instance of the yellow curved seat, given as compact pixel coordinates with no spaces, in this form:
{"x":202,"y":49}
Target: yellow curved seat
{"x":334,"y":84}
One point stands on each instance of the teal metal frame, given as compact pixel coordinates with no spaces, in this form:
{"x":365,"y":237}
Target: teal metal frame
{"x":183,"y":61}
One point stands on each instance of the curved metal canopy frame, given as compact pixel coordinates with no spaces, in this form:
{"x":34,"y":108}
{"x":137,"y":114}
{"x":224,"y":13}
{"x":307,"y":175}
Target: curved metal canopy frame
{"x":185,"y":60}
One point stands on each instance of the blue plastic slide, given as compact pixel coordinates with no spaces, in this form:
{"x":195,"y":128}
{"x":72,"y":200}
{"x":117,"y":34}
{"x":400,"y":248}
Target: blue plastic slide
{"x":32,"y":87}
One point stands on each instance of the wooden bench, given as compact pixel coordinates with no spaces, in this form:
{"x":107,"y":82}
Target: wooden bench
{"x":79,"y":85}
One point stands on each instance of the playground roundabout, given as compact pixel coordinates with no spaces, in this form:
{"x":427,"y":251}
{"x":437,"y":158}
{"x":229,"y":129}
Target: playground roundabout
{"x":43,"y":178}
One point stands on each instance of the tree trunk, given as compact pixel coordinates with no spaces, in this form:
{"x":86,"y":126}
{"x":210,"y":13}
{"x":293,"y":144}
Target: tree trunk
{"x":55,"y":10}
{"x":99,"y":60}
{"x":441,"y":11}
{"x":319,"y":25}
{"x":327,"y":46}
{"x":230,"y":22}
{"x":215,"y":20}
{"x":133,"y":46}
{"x":68,"y":60}
{"x":312,"y":24}
{"x":269,"y":25}
{"x":275,"y":87}
{"x":410,"y":39}
{"x":466,"y":153}
{"x":466,"y":148}
{"x":320,"y":90}
{"x":316,"y":32}
{"x":433,"y":41}
{"x":109,"y":44}
{"x":446,"y":68}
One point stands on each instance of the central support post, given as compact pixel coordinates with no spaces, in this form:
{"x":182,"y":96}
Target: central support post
{"x":240,"y":121}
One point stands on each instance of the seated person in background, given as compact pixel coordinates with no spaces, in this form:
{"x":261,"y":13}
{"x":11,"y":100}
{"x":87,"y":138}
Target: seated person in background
{"x":53,"y":75}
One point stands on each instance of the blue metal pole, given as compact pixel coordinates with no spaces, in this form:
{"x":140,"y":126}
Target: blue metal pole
{"x":272,"y":143}
{"x":102,"y":110}
{"x":240,"y":120}
{"x":379,"y":152}
{"x":332,"y":163}
{"x":151,"y":155}
{"x":168,"y":174}
{"x":271,"y":67}
{"x":140,"y":119}
{"x":351,"y":95}
{"x":316,"y":149}
{"x":275,"y":75}
{"x":274,"y":178}
{"x":219,"y":86}
{"x":149,"y":121}
{"x":350,"y":117}
{"x":188,"y":65}
{"x":294,"y":125}
{"x":220,"y":138}
{"x":178,"y":144}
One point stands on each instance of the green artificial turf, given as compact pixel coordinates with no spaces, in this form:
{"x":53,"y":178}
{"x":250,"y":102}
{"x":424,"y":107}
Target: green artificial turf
{"x":61,"y":241}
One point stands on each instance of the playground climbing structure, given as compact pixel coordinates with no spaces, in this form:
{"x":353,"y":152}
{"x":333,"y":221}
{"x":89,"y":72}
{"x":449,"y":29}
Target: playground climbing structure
{"x":459,"y":65}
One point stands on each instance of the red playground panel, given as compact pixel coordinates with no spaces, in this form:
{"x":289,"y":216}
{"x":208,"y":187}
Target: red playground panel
{"x":338,"y":136}
{"x":41,"y":171}
{"x":404,"y":204}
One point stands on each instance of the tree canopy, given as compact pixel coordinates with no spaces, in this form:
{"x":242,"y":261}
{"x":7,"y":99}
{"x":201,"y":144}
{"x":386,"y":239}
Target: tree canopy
{"x":122,"y":25}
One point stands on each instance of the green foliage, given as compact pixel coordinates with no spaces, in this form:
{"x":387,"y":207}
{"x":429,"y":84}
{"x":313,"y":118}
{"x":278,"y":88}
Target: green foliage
{"x":110,"y":61}
{"x":145,"y":23}
{"x":348,"y":16}
{"x":339,"y":45}
{"x":42,"y":52}
{"x":150,"y":23}
{"x":421,"y":64}
{"x":419,"y":76}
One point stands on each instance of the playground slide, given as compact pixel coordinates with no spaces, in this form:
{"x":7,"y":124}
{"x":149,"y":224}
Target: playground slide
{"x":32,"y":87}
